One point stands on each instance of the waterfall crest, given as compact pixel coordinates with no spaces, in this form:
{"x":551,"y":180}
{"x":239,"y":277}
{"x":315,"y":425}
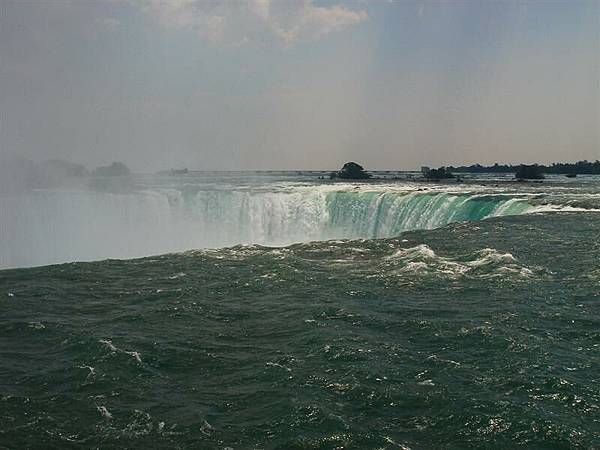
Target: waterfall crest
{"x":44,"y":227}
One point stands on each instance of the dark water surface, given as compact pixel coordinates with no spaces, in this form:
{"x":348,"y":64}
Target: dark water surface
{"x":475,"y":335}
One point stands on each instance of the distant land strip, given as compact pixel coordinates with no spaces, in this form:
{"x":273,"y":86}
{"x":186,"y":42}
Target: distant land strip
{"x":580,"y":167}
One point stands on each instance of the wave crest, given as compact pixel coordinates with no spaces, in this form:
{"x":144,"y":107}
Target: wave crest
{"x":484,"y":263}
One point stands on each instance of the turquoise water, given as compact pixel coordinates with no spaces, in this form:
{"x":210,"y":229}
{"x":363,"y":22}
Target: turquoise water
{"x":164,"y":214}
{"x":454,"y":318}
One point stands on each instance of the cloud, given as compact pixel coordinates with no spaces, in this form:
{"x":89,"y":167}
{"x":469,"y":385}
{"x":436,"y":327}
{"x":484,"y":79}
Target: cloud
{"x":240,"y":21}
{"x":313,"y":22}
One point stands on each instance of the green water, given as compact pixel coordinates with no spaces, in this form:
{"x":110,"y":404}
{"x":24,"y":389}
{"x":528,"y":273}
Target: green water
{"x":475,"y":335}
{"x":158,"y":216}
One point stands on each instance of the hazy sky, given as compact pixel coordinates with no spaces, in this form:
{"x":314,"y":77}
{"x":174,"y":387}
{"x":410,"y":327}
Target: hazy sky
{"x":268,"y":84}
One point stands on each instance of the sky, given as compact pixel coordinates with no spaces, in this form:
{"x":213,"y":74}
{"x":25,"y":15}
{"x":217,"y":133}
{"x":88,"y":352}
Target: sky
{"x":293,"y":84}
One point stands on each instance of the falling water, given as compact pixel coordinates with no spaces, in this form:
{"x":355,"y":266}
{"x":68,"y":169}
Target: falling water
{"x":43,"y":227}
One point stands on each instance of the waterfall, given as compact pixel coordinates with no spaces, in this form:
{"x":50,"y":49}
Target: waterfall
{"x":378,"y":215}
{"x":43,"y":227}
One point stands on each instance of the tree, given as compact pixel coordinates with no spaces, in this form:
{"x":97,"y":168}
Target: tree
{"x":439,"y":174}
{"x":351,"y":171}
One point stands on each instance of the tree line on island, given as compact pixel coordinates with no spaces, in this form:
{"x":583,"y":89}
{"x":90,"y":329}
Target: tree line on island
{"x":19,"y":174}
{"x":578,"y":168}
{"x":354,"y":171}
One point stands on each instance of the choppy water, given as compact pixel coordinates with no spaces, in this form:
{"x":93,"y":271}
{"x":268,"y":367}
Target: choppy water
{"x":480,"y":328}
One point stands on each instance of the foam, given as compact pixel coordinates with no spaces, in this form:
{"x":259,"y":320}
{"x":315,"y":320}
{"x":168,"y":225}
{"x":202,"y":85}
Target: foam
{"x":484,"y":263}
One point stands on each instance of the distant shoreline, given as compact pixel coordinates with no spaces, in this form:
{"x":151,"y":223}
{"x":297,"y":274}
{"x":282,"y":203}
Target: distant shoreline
{"x":579,"y":168}
{"x":452,"y":182}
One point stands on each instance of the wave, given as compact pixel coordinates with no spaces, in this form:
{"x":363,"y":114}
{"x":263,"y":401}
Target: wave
{"x":45,"y":227}
{"x":372,"y":259}
{"x":484,"y":263}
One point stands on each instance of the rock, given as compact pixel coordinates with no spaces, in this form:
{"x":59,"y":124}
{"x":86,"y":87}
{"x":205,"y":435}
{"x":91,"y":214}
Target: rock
{"x":529,"y":172}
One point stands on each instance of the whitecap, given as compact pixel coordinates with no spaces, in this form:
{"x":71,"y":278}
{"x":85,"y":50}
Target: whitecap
{"x":177,"y":275}
{"x":108,"y":344}
{"x":415,"y":266}
{"x":491,"y":256}
{"x":105,"y":413}
{"x":274,"y":364}
{"x":92,"y":371}
{"x":37,"y":325}
{"x":484,"y":263}
{"x":420,"y":251}
{"x":135,"y":355}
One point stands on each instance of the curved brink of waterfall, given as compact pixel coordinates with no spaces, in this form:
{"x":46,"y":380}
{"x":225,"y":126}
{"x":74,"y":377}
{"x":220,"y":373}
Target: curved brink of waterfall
{"x":48,"y":226}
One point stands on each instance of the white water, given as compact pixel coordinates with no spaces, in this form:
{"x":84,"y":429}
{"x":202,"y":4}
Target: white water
{"x":44,"y":227}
